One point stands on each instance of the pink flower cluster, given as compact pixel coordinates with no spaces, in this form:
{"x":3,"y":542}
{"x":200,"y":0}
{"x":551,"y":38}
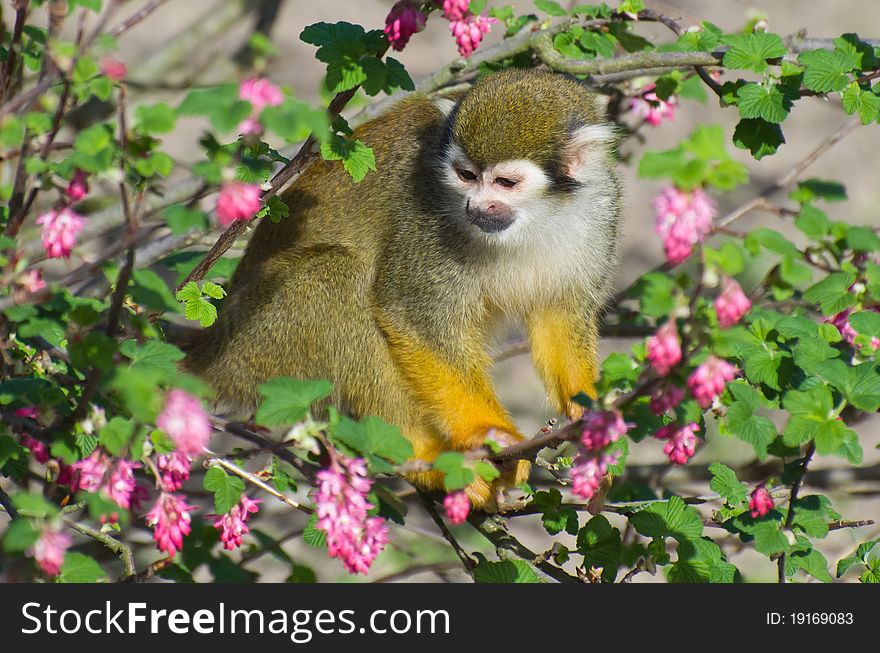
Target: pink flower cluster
{"x":707,"y":382}
{"x":588,"y":471}
{"x":341,"y":507}
{"x":99,"y":472}
{"x":237,"y":201}
{"x":113,"y":68}
{"x":48,"y":551}
{"x":32,"y":281}
{"x":173,"y":469}
{"x":664,"y":348}
{"x":467,"y":28}
{"x":666,"y":399}
{"x":60,"y":228}
{"x":760,"y":503}
{"x":171,"y":518}
{"x":683,"y":219}
{"x":600,"y":429}
{"x":78,"y":187}
{"x":681,"y":441}
{"x":731,"y":304}
{"x":402,"y":22}
{"x":650,"y":107}
{"x":232,"y":524}
{"x":185,"y":421}
{"x":260,"y":93}
{"x":457,"y":507}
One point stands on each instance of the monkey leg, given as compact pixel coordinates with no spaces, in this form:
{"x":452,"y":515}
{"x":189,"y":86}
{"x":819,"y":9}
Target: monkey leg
{"x":460,"y":402}
{"x":564,"y":344}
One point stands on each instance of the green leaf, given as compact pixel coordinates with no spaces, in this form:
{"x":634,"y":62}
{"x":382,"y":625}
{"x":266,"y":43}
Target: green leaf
{"x":456,"y":475}
{"x":386,"y":440}
{"x":862,"y":239}
{"x":656,"y":293}
{"x":226,"y":489}
{"x":357,"y":158}
{"x":743,"y":422}
{"x":701,"y":561}
{"x":154,"y":355}
{"x":150,"y":290}
{"x":826,"y":70}
{"x":313,"y":536}
{"x":550,"y":7}
{"x":600,"y":544}
{"x":20,"y":536}
{"x":865,"y":102}
{"x":655,"y":165}
{"x":79,"y":568}
{"x":286,"y":401}
{"x":670,"y":518}
{"x":859,"y":557}
{"x":725,"y":483}
{"x":156,"y":119}
{"x":767,"y":103}
{"x":506,"y":571}
{"x":813,"y":222}
{"x":812,"y":514}
{"x":116,"y":435}
{"x":182,"y":219}
{"x":751,"y":51}
{"x":832,"y":293}
{"x":812,"y":189}
{"x":758,"y":136}
{"x":860,"y":384}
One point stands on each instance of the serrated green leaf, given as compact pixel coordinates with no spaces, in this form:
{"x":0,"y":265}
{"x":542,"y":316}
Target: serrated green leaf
{"x":226,"y":488}
{"x":286,"y":401}
{"x":725,"y":483}
{"x":826,"y":70}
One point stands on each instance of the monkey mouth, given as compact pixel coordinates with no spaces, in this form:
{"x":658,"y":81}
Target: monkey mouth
{"x":489,"y":223}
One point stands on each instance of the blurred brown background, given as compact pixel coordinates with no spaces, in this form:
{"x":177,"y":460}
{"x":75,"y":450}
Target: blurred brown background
{"x":179,"y":23}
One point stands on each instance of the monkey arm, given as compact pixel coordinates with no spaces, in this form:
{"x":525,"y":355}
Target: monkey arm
{"x":564,"y":342}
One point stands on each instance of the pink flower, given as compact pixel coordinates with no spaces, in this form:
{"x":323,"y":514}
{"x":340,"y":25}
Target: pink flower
{"x":760,"y":502}
{"x":588,"y":471}
{"x":664,"y":348}
{"x":341,"y":507}
{"x":666,"y":399}
{"x":113,"y":68}
{"x":174,"y":470}
{"x":683,"y":219}
{"x":78,"y":187}
{"x":122,"y":486}
{"x":186,"y":422}
{"x":708,"y":380}
{"x":250,"y":126}
{"x":601,"y":428}
{"x":731,"y":304}
{"x":681,"y":441}
{"x":457,"y":507}
{"x":30,"y":412}
{"x":469,"y":32}
{"x":59,"y":231}
{"x":650,"y":107}
{"x":233,"y":522}
{"x":32,"y":281}
{"x":91,"y":472}
{"x":402,"y":22}
{"x":38,"y":449}
{"x":171,"y":517}
{"x":260,"y":93}
{"x":48,"y":551}
{"x":237,"y":201}
{"x":456,"y":9}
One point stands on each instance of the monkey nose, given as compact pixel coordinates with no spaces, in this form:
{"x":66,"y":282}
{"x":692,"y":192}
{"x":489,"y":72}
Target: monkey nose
{"x":493,"y":217}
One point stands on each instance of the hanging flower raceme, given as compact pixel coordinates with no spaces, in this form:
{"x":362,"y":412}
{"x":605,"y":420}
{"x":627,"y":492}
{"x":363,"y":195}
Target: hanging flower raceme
{"x":402,"y":22}
{"x":32,"y":281}
{"x":91,"y":471}
{"x":457,"y":507}
{"x":731,"y":304}
{"x":341,"y":507}
{"x":232,"y":524}
{"x":588,"y":470}
{"x":115,"y":478}
{"x":59,"y":231}
{"x":260,"y":93}
{"x":113,"y":68}
{"x":601,"y":428}
{"x":122,"y":486}
{"x":455,"y":9}
{"x":649,"y":106}
{"x":681,"y":441}
{"x":469,"y":32}
{"x":760,"y":502}
{"x":707,"y":382}
{"x":683,"y":220}
{"x":664,"y":348}
{"x":185,"y":421}
{"x":237,"y":201}
{"x":847,"y":332}
{"x":666,"y":399}
{"x":38,"y":449}
{"x":170,"y":517}
{"x":49,"y":549}
{"x":173,"y":469}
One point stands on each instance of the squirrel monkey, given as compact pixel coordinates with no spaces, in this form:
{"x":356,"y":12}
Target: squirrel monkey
{"x":501,"y":204}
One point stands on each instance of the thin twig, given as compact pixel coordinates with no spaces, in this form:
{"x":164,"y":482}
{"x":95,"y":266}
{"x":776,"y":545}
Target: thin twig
{"x":253,"y":480}
{"x":117,"y":547}
{"x":466,"y":560}
{"x":795,"y":488}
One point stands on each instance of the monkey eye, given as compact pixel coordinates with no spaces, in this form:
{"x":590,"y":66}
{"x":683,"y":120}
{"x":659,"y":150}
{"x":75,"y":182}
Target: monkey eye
{"x":505,"y":182}
{"x":466,"y":175}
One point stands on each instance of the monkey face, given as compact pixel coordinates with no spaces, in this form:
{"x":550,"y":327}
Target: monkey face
{"x":495,"y":198}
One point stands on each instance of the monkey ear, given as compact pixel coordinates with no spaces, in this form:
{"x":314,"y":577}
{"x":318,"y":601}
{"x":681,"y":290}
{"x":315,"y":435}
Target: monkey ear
{"x":585,"y":146}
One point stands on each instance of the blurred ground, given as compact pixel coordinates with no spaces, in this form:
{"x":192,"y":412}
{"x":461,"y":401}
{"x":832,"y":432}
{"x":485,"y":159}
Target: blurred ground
{"x":853,"y":160}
